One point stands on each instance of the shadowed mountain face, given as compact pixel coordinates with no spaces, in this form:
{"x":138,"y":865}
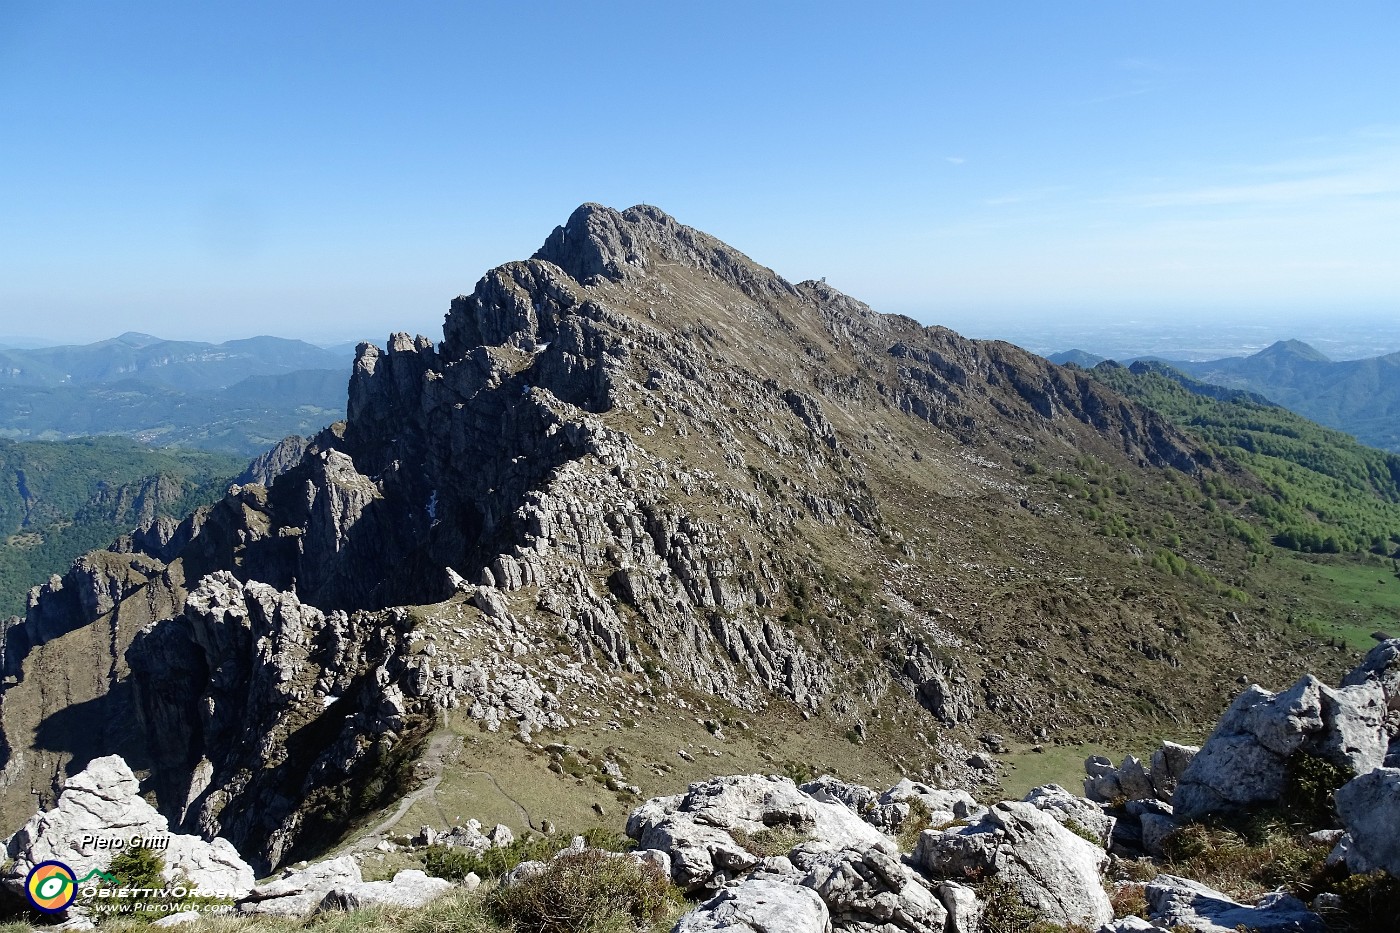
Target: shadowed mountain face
{"x":639,"y":463}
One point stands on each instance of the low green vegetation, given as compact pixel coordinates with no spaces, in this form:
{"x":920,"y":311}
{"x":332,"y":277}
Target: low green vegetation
{"x":142,"y":870}
{"x":770,"y":841}
{"x":579,"y":892}
{"x":1004,"y":911}
{"x":455,"y":863}
{"x":918,"y":820}
{"x":1357,"y":597}
{"x":1314,"y":490}
{"x":59,"y":500}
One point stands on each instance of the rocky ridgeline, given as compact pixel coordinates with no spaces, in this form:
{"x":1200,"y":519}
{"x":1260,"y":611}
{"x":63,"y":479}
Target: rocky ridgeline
{"x":618,"y":472}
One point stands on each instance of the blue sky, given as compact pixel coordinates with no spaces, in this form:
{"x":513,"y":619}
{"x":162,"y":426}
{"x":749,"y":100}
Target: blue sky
{"x":338,"y":170}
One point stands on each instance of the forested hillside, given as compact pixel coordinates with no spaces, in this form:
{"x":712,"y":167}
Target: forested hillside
{"x":1322,"y":491}
{"x":60,"y":499}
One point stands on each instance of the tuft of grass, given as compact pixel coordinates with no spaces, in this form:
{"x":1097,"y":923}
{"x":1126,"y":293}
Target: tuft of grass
{"x":1246,"y":856}
{"x":1004,"y":911}
{"x":918,"y":820}
{"x":1129,"y":900}
{"x":1083,"y":833}
{"x":587,"y":892}
{"x":454,"y":864}
{"x":771,"y":840}
{"x":1370,"y":904}
{"x":1310,"y":785}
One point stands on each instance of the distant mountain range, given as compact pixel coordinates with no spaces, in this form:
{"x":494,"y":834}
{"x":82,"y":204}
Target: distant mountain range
{"x":188,"y":365}
{"x":237,"y":397}
{"x":1360,"y":397}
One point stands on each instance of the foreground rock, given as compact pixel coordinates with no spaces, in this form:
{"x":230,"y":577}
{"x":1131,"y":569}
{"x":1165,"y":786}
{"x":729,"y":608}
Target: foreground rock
{"x":759,"y":907}
{"x":336,"y":884}
{"x":1370,"y":809}
{"x":1382,"y":668}
{"x":870,"y":890}
{"x":1080,"y":815}
{"x":697,"y":828}
{"x":1179,"y":903}
{"x":104,"y":802}
{"x":1050,"y":868}
{"x":1244,"y":762}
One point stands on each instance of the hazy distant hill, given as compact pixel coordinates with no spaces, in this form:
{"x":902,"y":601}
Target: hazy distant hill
{"x":1361,"y":397}
{"x":239,"y":397}
{"x":188,"y":365}
{"x":58,"y":500}
{"x":243,"y":419}
{"x":1077,"y":357}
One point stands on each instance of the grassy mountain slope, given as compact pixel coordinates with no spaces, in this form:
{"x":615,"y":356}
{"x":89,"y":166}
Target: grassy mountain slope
{"x":59,"y":500}
{"x":1296,"y":487}
{"x":1322,"y":491}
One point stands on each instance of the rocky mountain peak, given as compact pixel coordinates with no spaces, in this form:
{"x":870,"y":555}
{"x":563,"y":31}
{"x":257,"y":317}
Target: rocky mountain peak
{"x":638,"y":463}
{"x":599,"y":243}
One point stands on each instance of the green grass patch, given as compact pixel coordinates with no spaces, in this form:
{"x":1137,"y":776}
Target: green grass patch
{"x":1354,"y":597}
{"x":1056,"y":764}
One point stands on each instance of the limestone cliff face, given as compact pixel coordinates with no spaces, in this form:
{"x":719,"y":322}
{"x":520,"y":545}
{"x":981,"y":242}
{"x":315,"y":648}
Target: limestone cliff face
{"x":638,"y":443}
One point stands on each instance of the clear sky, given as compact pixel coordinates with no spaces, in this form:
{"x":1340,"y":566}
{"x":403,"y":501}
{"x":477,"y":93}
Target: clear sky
{"x":331,"y":170}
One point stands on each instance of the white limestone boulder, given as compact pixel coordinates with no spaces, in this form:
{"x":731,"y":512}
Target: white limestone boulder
{"x":1054,"y":871}
{"x":758,"y":906}
{"x":695,"y":828}
{"x":1369,"y":806}
{"x":103,"y":802}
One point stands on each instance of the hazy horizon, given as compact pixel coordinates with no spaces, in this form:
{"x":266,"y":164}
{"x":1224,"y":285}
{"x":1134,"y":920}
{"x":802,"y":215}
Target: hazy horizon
{"x":1182,"y":338}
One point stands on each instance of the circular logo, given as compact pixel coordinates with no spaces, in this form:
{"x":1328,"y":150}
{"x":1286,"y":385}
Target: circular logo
{"x":51,"y":886}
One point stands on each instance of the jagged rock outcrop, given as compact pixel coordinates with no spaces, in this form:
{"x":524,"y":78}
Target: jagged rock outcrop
{"x":250,"y":660}
{"x":102,"y":805}
{"x":272,"y":463}
{"x":1244,"y":761}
